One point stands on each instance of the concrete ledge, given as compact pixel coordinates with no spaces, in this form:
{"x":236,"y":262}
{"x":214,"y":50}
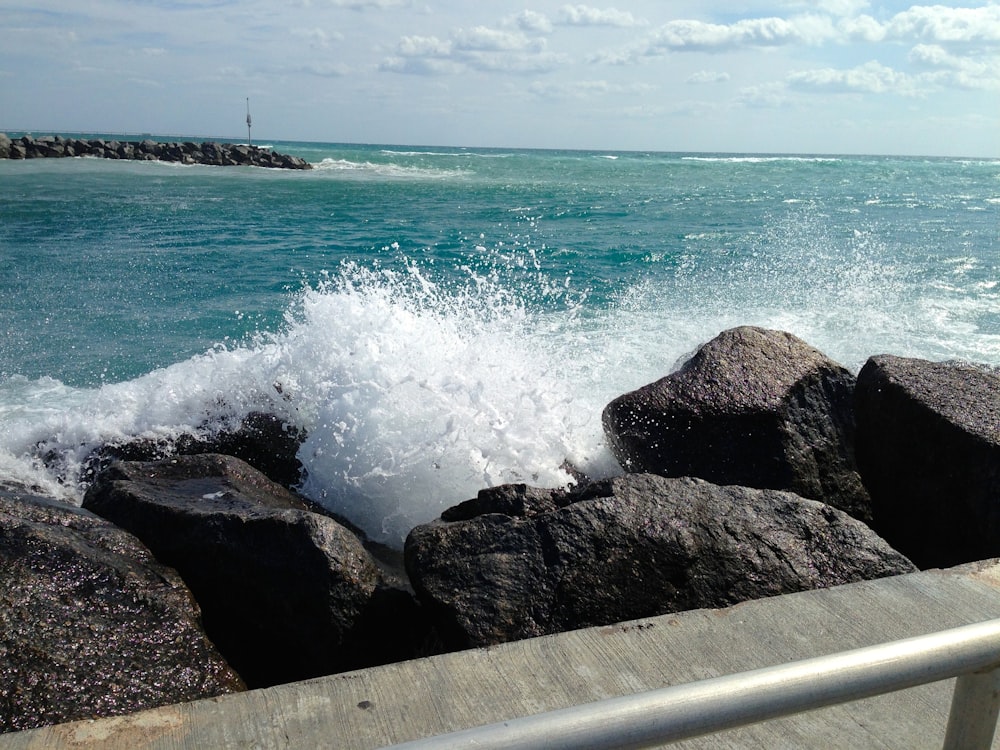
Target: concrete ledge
{"x":377,"y":707}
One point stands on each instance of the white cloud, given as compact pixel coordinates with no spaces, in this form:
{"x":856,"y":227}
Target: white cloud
{"x":871,"y":77}
{"x":583,"y":15}
{"x":964,"y":72}
{"x":483,"y":38}
{"x":937,"y":23}
{"x":532,"y":22}
{"x":931,"y":55}
{"x":827,"y":21}
{"x":814,"y":29}
{"x":479,"y":48}
{"x":689,"y":35}
{"x":707,"y":76}
{"x":862,"y":29}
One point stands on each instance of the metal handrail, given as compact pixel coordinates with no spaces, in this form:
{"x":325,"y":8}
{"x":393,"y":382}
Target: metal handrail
{"x":656,"y":717}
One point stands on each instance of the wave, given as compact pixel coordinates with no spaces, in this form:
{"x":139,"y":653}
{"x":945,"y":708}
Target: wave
{"x":418,"y":386}
{"x":453,"y":154}
{"x":395,"y":171}
{"x":760,"y":159}
{"x":414,"y":396}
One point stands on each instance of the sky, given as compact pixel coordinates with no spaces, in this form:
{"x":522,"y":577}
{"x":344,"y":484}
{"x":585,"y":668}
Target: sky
{"x":785,"y":76}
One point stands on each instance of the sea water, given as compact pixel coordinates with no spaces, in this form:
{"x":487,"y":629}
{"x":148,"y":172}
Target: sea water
{"x":440,"y":320}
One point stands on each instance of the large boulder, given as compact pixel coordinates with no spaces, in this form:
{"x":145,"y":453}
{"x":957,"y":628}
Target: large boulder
{"x":4,"y":146}
{"x":752,"y":407}
{"x":90,"y":624}
{"x":261,"y":439}
{"x":929,"y":451}
{"x":282,"y":589}
{"x":519,"y":562}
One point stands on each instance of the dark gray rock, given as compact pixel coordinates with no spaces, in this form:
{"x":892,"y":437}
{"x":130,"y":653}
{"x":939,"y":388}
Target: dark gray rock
{"x":90,"y":624}
{"x":261,"y":439}
{"x":281,"y":589}
{"x":752,"y":407}
{"x":189,"y":152}
{"x":519,"y":564}
{"x":929,"y":452}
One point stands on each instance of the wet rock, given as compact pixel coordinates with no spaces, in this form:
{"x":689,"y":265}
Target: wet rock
{"x":262,"y":440}
{"x":90,"y":624}
{"x":929,"y":451}
{"x":189,"y":152}
{"x":624,"y":548}
{"x":752,"y":407}
{"x":282,"y":589}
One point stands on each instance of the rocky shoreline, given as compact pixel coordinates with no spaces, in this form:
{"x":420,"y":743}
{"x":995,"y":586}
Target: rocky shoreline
{"x":186,"y":152}
{"x":760,"y":467}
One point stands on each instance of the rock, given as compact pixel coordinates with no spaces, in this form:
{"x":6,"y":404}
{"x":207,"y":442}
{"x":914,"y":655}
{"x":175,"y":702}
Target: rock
{"x":624,"y":548}
{"x":929,"y":452}
{"x":4,"y":146}
{"x":90,"y":624}
{"x":261,"y":439}
{"x":752,"y":407}
{"x":189,"y":152}
{"x":281,"y":588}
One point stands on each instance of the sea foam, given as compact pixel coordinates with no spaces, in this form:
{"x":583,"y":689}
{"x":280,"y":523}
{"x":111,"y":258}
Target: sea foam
{"x":418,"y":385}
{"x":413,"y":398}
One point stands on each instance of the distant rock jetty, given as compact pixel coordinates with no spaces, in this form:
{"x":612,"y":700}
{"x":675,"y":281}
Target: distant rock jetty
{"x":186,"y":152}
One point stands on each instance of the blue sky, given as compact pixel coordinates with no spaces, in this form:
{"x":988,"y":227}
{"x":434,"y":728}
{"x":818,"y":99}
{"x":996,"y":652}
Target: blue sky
{"x":819,"y":76}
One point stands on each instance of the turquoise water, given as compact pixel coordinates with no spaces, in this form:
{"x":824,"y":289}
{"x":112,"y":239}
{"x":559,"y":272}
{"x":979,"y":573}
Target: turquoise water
{"x":440,"y":320}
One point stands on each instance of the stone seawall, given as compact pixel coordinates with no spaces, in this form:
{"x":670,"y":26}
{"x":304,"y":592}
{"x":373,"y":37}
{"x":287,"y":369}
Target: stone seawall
{"x":186,"y":152}
{"x":752,"y":471}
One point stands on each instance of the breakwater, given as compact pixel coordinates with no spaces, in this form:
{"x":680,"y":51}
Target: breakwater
{"x":286,"y":591}
{"x":182,"y":152}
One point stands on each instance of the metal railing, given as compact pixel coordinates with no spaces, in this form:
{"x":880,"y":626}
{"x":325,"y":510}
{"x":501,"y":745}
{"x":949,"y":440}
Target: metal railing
{"x":971,"y":653}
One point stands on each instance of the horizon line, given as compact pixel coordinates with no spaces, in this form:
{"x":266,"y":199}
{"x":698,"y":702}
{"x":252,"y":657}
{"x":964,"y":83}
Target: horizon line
{"x":191,"y":137}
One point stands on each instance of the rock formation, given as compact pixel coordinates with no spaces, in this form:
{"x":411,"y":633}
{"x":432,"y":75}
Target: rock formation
{"x":520,"y":562}
{"x":187,"y":152}
{"x":929,"y":451}
{"x":726,"y":454}
{"x":90,"y":624}
{"x":752,"y":407}
{"x":281,"y":588}
{"x":261,"y":439}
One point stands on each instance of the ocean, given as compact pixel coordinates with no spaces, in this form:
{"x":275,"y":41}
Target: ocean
{"x":439,"y":320}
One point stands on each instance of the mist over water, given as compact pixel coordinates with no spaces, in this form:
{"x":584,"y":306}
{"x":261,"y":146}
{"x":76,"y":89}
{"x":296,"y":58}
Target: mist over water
{"x":439,"y":321}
